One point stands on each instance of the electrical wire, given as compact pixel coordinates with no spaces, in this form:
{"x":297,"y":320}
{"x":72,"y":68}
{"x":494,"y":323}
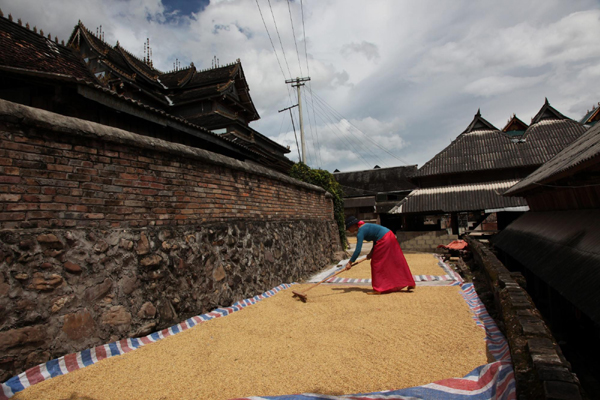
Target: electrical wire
{"x":358,"y":144}
{"x":350,"y":146}
{"x":279,"y":36}
{"x":271,"y":40}
{"x":382,"y":148}
{"x":294,"y":35}
{"x":310,"y":83}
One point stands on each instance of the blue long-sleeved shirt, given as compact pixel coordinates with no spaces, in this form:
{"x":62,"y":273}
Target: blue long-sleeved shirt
{"x":369,"y":232}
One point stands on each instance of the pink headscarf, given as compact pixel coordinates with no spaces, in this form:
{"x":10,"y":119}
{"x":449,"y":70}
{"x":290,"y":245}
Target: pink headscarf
{"x":361,"y":223}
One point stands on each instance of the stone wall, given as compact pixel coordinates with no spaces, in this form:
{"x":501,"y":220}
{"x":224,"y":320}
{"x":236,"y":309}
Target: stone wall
{"x":107,"y":234}
{"x":426,"y":241}
{"x":541,"y":371}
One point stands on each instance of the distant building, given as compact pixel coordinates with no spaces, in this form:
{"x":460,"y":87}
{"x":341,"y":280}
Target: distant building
{"x":370,"y":194}
{"x":462,"y":186}
{"x":90,"y":79}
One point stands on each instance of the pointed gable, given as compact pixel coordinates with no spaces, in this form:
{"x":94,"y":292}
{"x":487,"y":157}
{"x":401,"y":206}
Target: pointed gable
{"x":479,"y":124}
{"x":515,"y":127}
{"x":591,"y":117}
{"x":547,"y":112}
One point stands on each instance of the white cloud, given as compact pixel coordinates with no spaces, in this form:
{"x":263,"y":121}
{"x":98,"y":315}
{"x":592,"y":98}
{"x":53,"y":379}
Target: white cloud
{"x":408,"y":74}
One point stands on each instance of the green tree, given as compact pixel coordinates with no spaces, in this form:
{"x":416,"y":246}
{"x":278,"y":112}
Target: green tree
{"x":325,"y":180}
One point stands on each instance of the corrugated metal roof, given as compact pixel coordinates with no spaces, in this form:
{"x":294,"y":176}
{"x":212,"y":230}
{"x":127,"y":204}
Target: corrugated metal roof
{"x":471,"y":197}
{"x":492,"y":149}
{"x":563,"y":249}
{"x":583,"y":149}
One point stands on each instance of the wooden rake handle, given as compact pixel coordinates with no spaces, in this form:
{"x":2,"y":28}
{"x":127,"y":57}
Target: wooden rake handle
{"x":332,"y":276}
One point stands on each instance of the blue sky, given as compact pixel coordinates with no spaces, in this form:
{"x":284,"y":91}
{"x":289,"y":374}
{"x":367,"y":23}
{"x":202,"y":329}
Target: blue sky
{"x":391,"y":84}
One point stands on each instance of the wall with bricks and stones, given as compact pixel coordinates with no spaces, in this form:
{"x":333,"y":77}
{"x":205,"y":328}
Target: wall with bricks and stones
{"x":106,"y":234}
{"x":426,"y":241}
{"x":541,"y":370}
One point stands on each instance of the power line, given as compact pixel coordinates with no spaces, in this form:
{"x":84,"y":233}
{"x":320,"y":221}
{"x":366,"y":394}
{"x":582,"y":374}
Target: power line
{"x":310,"y":86}
{"x":294,"y":35}
{"x":271,"y":40}
{"x":382,"y":148}
{"x":351,"y":147}
{"x":360,"y":144}
{"x":279,"y":36}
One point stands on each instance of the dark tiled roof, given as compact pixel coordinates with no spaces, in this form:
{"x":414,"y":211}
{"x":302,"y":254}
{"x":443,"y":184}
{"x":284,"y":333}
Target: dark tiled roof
{"x":177,"y":78}
{"x":492,"y":149}
{"x":215,"y":75}
{"x":470,"y":197}
{"x":373,"y":181}
{"x":585,"y":148}
{"x":547,"y":112}
{"x":479,"y":124}
{"x":202,"y":92}
{"x":563,"y":249}
{"x":515,"y":125}
{"x":25,"y":49}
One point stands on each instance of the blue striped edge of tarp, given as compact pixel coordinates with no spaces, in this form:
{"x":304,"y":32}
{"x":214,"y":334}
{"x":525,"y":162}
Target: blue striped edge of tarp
{"x":88,"y":357}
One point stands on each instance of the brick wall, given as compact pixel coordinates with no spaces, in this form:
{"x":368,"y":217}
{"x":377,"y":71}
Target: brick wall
{"x":106,"y":234}
{"x":426,"y":241}
{"x":55,"y":175}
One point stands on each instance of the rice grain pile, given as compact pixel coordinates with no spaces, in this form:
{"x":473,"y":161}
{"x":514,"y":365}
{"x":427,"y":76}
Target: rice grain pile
{"x":343,"y":340}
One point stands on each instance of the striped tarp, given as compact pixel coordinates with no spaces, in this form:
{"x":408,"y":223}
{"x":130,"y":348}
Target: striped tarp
{"x":417,"y":278}
{"x":490,"y":381}
{"x":75,"y":361}
{"x":493,"y":381}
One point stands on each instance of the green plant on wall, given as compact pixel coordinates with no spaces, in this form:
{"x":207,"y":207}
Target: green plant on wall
{"x":325,"y":180}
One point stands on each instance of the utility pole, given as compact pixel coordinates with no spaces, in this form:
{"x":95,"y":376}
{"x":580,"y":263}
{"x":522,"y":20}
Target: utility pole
{"x":297,"y":83}
{"x":293,"y":126}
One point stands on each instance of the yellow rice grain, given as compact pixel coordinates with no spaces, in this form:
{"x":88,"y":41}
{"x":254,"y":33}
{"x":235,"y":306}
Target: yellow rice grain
{"x":343,"y":340}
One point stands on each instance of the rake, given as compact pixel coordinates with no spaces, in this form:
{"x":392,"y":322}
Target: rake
{"x":303,"y":296}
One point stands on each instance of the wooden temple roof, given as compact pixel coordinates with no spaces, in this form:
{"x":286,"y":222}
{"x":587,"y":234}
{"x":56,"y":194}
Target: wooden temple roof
{"x":26,"y":49}
{"x":480,"y":148}
{"x":581,"y":153}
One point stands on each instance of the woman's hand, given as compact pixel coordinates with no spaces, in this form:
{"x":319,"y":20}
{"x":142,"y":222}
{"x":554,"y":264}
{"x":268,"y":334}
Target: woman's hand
{"x":348,"y":266}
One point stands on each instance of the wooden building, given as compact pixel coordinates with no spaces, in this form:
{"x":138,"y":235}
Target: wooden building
{"x":556,"y":246}
{"x":462,"y":185}
{"x":370,"y":194}
{"x":89,"y":79}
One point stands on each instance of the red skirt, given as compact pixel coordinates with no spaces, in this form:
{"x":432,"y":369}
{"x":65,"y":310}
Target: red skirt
{"x":389,"y":269}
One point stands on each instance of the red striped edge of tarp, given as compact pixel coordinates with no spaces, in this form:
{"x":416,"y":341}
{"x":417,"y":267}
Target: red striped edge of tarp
{"x":493,"y":381}
{"x":446,"y":267}
{"x":417,"y":278}
{"x":75,"y":361}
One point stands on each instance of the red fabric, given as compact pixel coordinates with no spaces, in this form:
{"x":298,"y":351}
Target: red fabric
{"x":389,"y":269}
{"x":361,"y":223}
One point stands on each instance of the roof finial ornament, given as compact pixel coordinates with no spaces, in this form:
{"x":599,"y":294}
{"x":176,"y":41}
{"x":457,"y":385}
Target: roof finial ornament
{"x":26,"y":24}
{"x":42,"y":32}
{"x":547,"y":102}
{"x":20,"y":22}
{"x":1,"y":13}
{"x":49,"y":36}
{"x":478,"y":112}
{"x":35,"y":28}
{"x":10,"y":17}
{"x":55,"y":39}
